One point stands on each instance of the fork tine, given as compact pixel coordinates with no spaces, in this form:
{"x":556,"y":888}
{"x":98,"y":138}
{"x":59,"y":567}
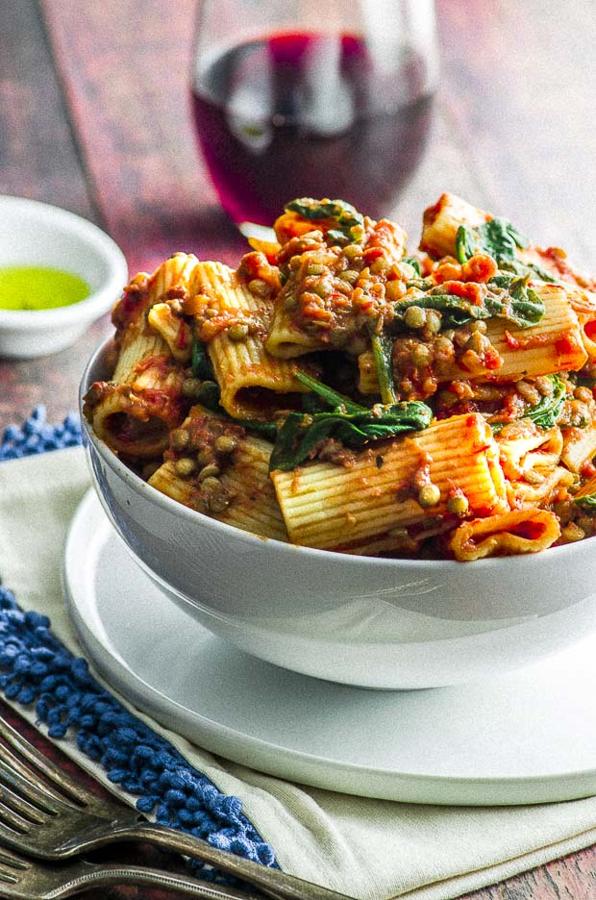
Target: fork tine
{"x":17,"y":804}
{"x":13,"y":820}
{"x":18,"y":767}
{"x":10,"y":860}
{"x":16,"y":782}
{"x":43,"y":764}
{"x":11,"y":839}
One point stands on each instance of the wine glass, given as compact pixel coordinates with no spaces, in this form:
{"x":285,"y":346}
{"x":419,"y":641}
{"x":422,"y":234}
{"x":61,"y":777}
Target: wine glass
{"x":294,"y":98}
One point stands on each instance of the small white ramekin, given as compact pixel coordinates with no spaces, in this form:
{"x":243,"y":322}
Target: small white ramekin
{"x":37,"y":234}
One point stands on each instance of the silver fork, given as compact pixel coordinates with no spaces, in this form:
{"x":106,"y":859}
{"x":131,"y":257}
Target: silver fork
{"x":27,"y":880}
{"x":62,"y":820}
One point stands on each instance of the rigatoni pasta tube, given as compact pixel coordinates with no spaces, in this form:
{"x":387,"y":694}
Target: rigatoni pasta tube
{"x":135,"y":418}
{"x":583,"y":303}
{"x":336,"y":508}
{"x":252,"y":383}
{"x":511,"y":533}
{"x":173,"y":329}
{"x":286,"y":340}
{"x":540,"y":489}
{"x":250,"y":498}
{"x":579,"y":447}
{"x":170,"y":279}
{"x":441,"y":221}
{"x":530,"y":460}
{"x":523,"y":447}
{"x":555,"y":344}
{"x":134,"y":412}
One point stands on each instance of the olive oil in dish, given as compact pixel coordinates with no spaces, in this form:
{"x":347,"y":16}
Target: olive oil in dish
{"x":40,"y":287}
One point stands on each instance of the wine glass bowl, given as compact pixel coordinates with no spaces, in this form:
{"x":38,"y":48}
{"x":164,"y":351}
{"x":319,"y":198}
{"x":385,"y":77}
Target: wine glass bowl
{"x":287,"y":106}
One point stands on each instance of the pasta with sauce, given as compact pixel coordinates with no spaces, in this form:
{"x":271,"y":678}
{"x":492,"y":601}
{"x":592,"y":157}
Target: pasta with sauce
{"x":338,"y":393}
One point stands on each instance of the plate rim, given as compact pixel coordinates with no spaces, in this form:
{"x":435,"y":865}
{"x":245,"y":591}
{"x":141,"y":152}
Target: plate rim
{"x":216,"y":737}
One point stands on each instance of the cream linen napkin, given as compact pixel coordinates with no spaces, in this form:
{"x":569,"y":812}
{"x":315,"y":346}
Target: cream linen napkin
{"x":368,"y":849}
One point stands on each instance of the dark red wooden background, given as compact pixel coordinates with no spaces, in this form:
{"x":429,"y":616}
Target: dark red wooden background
{"x":94,"y":117}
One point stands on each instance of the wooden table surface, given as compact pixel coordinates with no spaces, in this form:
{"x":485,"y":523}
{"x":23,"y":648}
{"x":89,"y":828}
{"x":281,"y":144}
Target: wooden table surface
{"x":94,"y":118}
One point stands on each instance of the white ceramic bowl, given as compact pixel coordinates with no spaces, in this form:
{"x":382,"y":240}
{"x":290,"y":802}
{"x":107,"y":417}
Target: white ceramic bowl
{"x":383,"y":623}
{"x":37,"y":234}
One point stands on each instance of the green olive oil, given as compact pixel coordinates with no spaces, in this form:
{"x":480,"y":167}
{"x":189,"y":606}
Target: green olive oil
{"x":39,"y":287}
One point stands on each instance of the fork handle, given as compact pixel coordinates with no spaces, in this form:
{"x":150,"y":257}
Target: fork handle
{"x":93,"y":875}
{"x":272,"y":882}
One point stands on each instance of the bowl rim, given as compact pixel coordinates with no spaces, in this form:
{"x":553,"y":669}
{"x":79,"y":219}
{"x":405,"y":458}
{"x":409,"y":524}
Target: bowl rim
{"x":446,"y":566}
{"x":99,"y":243}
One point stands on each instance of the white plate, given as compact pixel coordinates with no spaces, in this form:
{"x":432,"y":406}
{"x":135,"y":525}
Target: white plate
{"x":525,"y":737}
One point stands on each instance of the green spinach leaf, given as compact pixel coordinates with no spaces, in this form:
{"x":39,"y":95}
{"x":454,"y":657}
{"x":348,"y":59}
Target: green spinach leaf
{"x":200,"y":362}
{"x":464,"y":248}
{"x":264,"y":429}
{"x":382,"y":348}
{"x":415,"y":263}
{"x":547,"y":411}
{"x":332,"y":398}
{"x":588,"y":502}
{"x":208,"y":396}
{"x":497,"y":237}
{"x":300,"y":434}
{"x":343,"y":214}
{"x":513,"y":300}
{"x":521,"y":269}
{"x":526,"y":307}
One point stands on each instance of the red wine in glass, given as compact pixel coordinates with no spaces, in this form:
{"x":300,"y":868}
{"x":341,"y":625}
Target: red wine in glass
{"x":305,"y":114}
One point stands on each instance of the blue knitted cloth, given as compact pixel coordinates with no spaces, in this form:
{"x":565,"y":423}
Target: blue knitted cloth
{"x":36,"y":668}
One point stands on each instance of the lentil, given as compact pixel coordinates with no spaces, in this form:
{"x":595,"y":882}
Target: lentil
{"x":210,"y":471}
{"x":434,"y":320}
{"x":379,"y":266}
{"x":477,"y":342}
{"x":528,"y":392}
{"x":238,"y":331}
{"x":421,"y":356}
{"x":259,"y":288}
{"x":205,"y":456}
{"x":415,"y":317}
{"x":225,"y":443}
{"x":429,"y":495}
{"x":544,"y":385}
{"x":179,"y":438}
{"x":211,"y":483}
{"x":191,"y":387}
{"x":352,"y":251}
{"x":185,"y":466}
{"x":458,"y":504}
{"x":349,"y":275}
{"x":394,"y":290}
